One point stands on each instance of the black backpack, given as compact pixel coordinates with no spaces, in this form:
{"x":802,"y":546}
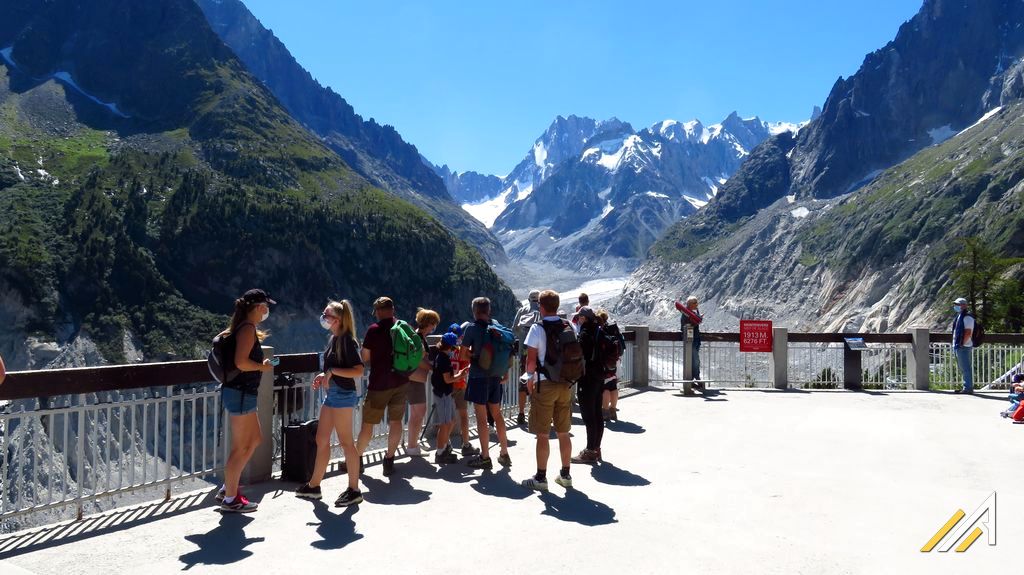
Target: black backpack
{"x":221,"y":359}
{"x":609,"y":346}
{"x":978,"y":334}
{"x":563,"y":360}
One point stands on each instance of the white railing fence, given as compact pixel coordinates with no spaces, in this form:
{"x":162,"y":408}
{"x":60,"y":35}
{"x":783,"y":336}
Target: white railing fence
{"x":73,"y":450}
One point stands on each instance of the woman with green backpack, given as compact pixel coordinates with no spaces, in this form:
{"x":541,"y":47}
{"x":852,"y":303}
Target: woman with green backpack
{"x":426,"y":322}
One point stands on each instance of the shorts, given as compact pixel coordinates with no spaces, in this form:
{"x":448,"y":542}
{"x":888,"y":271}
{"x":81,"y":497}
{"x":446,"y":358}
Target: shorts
{"x":484,"y":390}
{"x":417,"y":392}
{"x":611,"y":384}
{"x":236,"y":402}
{"x":459,"y":397}
{"x":339,"y":398}
{"x":378,"y":400}
{"x":444,"y":409}
{"x":551,"y":403}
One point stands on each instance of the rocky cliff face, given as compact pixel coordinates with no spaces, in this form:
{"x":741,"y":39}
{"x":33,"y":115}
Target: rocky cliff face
{"x":945,"y":68}
{"x":875,"y":259}
{"x":147,"y":181}
{"x":852,"y":225}
{"x":376,"y":152}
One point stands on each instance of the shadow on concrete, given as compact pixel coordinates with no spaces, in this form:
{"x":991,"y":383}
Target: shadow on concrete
{"x":335,"y":530}
{"x":395,"y":491}
{"x":452,"y":473}
{"x":99,"y":525}
{"x":500,"y":484}
{"x":576,"y":507}
{"x":624,"y":427}
{"x":991,"y":395}
{"x":223,"y":545}
{"x":609,"y":474}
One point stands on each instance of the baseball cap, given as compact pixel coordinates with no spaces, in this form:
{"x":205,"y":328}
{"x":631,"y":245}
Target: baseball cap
{"x":960,"y":301}
{"x":450,"y":339}
{"x":587,"y":312}
{"x":455,"y":329}
{"x":257,"y":296}
{"x":1018,"y":377}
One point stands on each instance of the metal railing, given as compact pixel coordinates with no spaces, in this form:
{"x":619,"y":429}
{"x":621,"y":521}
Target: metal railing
{"x":815,"y":365}
{"x":74,"y":449}
{"x":721,"y":363}
{"x":993,"y":365}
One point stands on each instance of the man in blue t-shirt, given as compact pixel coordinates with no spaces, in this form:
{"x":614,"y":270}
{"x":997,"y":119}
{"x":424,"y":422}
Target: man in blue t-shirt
{"x":482,"y":391}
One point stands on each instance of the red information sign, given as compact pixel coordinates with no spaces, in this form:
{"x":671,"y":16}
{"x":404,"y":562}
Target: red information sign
{"x":755,"y":335}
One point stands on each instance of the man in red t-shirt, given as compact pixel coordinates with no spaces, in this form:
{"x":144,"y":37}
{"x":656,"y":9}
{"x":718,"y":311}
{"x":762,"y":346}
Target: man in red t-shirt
{"x":387,"y":390}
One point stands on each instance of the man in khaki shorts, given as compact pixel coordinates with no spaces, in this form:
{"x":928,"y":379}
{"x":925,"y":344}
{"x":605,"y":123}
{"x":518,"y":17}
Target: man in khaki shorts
{"x":387,"y":390}
{"x":551,"y":399}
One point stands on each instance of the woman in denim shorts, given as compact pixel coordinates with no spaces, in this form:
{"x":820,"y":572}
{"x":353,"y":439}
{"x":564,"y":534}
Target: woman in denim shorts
{"x":239,"y":396}
{"x":342,"y":365}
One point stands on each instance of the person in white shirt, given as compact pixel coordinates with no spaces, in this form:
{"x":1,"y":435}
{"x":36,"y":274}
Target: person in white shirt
{"x":551,"y":400}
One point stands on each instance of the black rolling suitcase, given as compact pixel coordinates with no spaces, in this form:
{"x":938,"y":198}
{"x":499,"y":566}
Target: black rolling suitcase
{"x":298,"y":455}
{"x":298,"y":438}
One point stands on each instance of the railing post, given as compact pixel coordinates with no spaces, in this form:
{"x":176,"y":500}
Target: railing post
{"x":641,"y":354}
{"x":778,"y":364}
{"x":919,"y":359}
{"x":688,"y":352}
{"x":853,"y":370}
{"x":261,"y":466}
{"x":80,"y":449}
{"x":168,"y":439}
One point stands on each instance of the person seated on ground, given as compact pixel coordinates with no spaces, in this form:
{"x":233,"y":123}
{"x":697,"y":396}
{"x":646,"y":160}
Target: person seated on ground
{"x":1016,"y":394}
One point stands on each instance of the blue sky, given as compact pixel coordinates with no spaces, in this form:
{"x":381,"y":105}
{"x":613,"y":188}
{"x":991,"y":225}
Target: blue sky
{"x":472,"y":84}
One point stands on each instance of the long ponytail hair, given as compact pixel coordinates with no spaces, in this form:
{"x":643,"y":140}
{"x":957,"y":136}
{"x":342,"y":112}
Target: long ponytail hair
{"x":241,"y":315}
{"x":346,"y":323}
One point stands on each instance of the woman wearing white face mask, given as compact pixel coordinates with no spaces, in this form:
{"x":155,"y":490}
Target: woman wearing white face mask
{"x":342,"y":365}
{"x":239,"y":395}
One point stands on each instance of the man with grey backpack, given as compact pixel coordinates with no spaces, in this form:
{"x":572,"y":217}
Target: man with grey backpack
{"x":554,"y":362}
{"x":526,"y":318}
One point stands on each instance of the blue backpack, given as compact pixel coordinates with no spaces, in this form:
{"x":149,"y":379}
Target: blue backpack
{"x":495,"y":354}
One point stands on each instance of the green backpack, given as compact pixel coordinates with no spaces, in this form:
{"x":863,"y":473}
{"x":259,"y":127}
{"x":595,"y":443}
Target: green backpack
{"x":407,"y":348}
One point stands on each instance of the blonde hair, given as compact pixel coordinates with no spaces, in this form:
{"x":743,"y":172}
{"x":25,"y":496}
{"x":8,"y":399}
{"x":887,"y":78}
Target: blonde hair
{"x":602,"y":315}
{"x":346,"y":322}
{"x":425,"y":317}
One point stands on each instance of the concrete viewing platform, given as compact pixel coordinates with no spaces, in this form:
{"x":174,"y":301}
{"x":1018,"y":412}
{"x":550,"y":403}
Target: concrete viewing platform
{"x":741,"y":481}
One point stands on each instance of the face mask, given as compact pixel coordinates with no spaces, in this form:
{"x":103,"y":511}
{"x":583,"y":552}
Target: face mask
{"x":325,"y":323}
{"x":266,"y":314}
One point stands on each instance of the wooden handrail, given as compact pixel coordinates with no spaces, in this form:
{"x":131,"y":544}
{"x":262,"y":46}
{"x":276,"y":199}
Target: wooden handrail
{"x":51,"y":382}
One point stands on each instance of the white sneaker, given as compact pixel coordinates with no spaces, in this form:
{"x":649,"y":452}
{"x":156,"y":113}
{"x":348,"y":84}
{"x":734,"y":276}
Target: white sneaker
{"x":565,"y":482}
{"x":414,"y":451}
{"x":532,"y":483}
